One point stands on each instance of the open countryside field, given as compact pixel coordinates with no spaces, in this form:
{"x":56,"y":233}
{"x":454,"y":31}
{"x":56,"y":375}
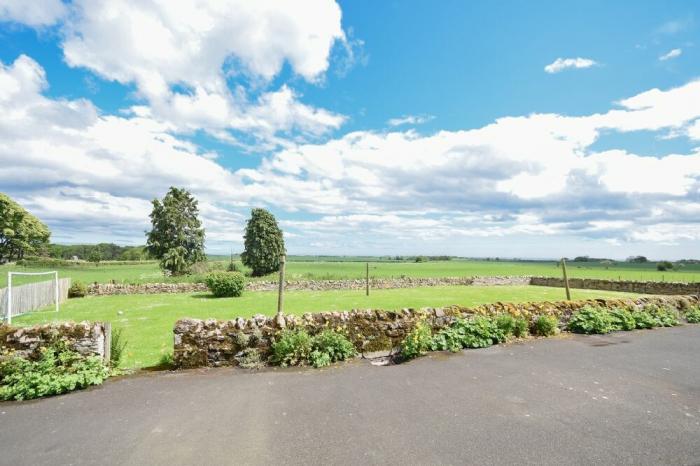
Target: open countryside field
{"x":147,"y":320}
{"x":148,"y":272}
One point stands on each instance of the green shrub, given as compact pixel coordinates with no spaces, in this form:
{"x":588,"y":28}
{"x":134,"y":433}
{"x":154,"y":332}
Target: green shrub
{"x":476,"y":332}
{"x":330,"y":346}
{"x":521,"y":328}
{"x":642,"y":319}
{"x":506,"y":324}
{"x":117,"y":345}
{"x":233,"y":267}
{"x":298,"y":348}
{"x":591,"y":319}
{"x":622,"y":319}
{"x":250,"y":358}
{"x":58,"y":370}
{"x":693,"y":315}
{"x":545,"y":326}
{"x":225,"y":284}
{"x":417,"y":342}
{"x":77,"y":290}
{"x":292,"y":348}
{"x":664,"y":315}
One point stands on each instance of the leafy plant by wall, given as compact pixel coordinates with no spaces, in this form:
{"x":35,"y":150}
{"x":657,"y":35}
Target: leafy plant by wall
{"x":58,"y":370}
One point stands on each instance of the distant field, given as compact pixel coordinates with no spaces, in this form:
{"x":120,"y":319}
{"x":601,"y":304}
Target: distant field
{"x":148,"y":272}
{"x":147,"y":320}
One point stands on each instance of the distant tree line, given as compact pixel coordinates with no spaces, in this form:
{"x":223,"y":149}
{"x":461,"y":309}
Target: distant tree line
{"x":98,"y":252}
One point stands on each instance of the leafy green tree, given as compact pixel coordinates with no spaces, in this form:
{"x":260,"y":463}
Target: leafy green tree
{"x":21,"y":233}
{"x":177,"y":236}
{"x":264,"y":243}
{"x":95,"y":256}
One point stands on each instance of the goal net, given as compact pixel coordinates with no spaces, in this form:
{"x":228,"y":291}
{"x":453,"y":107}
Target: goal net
{"x":32,"y":296}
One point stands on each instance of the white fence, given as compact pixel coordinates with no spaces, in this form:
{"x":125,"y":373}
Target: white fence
{"x":26,"y":298}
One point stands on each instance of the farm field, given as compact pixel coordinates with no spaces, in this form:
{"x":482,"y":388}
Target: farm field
{"x":147,"y":320}
{"x":148,"y":272}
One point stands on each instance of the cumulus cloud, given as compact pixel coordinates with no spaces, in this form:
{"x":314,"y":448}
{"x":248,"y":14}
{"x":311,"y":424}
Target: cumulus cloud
{"x":561,"y":64}
{"x":205,"y":65}
{"x":94,"y":174}
{"x":671,"y":54}
{"x":34,"y":13}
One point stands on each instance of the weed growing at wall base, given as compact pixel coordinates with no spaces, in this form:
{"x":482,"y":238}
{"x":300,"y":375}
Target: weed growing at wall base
{"x":58,"y":370}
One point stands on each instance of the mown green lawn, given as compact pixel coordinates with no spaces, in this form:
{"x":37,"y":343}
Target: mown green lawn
{"x":147,"y":320}
{"x":148,"y":272}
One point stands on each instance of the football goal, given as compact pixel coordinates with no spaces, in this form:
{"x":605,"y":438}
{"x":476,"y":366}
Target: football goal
{"x":25,"y":298}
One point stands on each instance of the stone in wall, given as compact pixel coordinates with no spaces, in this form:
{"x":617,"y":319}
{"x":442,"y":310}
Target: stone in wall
{"x":216,"y":343}
{"x":87,"y":338}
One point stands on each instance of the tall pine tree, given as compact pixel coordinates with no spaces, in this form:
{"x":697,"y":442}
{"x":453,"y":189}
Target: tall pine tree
{"x":264,"y":243}
{"x":177,"y":236}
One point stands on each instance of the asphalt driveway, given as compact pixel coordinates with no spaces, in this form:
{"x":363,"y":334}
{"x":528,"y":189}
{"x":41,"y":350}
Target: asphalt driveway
{"x":626,"y":398}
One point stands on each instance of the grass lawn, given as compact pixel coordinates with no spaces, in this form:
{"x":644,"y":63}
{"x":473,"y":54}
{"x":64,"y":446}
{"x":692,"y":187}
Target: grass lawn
{"x":147,"y":320}
{"x":148,"y":272}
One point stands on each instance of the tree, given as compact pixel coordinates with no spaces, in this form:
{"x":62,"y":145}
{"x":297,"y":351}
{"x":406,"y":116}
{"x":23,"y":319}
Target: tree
{"x":21,"y":233}
{"x":177,"y":236}
{"x":264,"y":243}
{"x":95,"y":256}
{"x":664,"y":265}
{"x":637,"y":259}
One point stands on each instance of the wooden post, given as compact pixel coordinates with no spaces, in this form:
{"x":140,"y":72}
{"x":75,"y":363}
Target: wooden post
{"x":367,"y":279}
{"x":108,"y":342}
{"x":566,"y":279}
{"x":280,"y":295}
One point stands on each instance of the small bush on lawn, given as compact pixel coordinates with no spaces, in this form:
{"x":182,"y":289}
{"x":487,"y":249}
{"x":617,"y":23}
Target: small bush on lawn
{"x":58,"y":370}
{"x":476,"y":332}
{"x":622,"y":319}
{"x":591,"y":319}
{"x":664,"y":315}
{"x":77,"y":290}
{"x":693,"y":315}
{"x":298,"y":348}
{"x":225,"y":284}
{"x":545,"y":326}
{"x":417,"y":342}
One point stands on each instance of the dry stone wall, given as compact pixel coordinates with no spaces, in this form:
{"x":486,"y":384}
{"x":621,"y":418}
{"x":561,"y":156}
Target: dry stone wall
{"x":216,"y":343}
{"x":87,"y":338}
{"x":103,"y":289}
{"x":665,"y":288}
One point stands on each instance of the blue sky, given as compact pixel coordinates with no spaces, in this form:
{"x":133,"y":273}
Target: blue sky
{"x":520,"y":129}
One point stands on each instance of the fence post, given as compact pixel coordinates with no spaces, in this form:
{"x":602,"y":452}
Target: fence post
{"x":108,"y":342}
{"x":566,"y":279}
{"x":8,"y":311}
{"x":55,"y":294}
{"x":280,"y":295}
{"x":367,"y":279}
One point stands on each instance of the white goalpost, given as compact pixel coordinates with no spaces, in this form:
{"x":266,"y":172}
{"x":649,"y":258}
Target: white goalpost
{"x":8,"y":310}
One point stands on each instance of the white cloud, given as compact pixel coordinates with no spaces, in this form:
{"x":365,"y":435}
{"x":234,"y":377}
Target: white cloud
{"x":201,"y":45}
{"x":671,"y":54}
{"x":34,"y":13}
{"x":93,"y":175}
{"x":410,"y":120}
{"x":561,"y":64}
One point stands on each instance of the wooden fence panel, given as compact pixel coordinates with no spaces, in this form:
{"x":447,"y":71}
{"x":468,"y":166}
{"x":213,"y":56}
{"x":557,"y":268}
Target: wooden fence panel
{"x":26,"y":298}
